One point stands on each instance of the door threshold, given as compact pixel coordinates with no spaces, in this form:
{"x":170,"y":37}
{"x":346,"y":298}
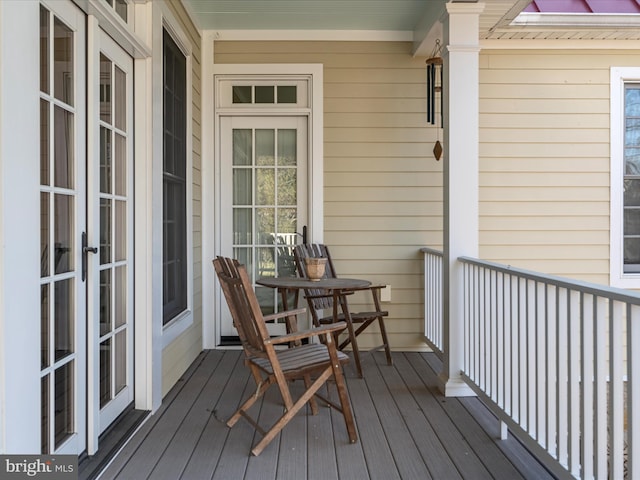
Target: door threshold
{"x":110,"y":443}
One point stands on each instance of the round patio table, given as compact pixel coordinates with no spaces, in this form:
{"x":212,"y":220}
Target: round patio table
{"x":337,"y":286}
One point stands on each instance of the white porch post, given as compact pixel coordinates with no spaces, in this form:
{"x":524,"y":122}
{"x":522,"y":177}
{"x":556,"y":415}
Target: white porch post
{"x":460,"y":110}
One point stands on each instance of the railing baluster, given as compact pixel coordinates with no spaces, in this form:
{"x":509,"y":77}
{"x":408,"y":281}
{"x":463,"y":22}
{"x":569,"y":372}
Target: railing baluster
{"x":562,"y":376}
{"x":616,"y":401}
{"x":600,"y":361}
{"x":574,"y":382}
{"x":586,"y":360}
{"x":551,"y":354}
{"x":633,"y":390}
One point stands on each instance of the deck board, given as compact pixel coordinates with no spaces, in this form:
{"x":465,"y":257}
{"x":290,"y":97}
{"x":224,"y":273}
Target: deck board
{"x":406,"y":429}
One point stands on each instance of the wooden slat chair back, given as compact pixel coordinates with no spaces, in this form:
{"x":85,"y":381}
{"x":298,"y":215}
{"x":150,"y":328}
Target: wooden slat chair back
{"x":312,"y":362}
{"x":319,"y":300}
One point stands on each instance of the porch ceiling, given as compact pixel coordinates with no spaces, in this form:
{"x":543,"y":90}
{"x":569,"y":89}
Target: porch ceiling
{"x":412,"y":20}
{"x":409,"y":20}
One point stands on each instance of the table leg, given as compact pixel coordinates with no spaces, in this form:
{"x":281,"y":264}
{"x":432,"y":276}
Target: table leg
{"x":339,"y":298}
{"x":291,"y":320}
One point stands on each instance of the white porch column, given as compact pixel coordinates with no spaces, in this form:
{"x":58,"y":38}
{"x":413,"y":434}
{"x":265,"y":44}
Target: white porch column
{"x":460,"y":111}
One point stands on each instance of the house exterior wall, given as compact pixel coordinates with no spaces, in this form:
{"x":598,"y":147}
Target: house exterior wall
{"x":382,"y":186}
{"x":545,"y":159}
{"x":180,"y":353}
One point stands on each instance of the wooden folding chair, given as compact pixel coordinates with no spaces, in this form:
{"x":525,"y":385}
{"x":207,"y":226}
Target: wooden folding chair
{"x":314,"y":363}
{"x":319,"y":300}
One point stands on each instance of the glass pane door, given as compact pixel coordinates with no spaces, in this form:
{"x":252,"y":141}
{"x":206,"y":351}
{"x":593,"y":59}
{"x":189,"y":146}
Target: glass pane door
{"x":62,"y":213}
{"x":267,"y":168}
{"x":111,"y":298}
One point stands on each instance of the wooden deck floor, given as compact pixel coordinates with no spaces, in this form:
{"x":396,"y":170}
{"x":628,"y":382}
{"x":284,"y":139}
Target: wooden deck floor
{"x":406,"y":428}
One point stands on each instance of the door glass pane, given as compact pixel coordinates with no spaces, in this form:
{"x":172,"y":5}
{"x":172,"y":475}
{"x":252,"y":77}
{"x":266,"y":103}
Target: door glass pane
{"x":44,"y":234}
{"x":44,"y":143}
{"x":266,"y":226}
{"x":63,"y":403}
{"x":287,"y":147}
{"x":120,"y":361}
{"x":241,"y":93}
{"x":264,"y":94}
{"x":242,"y":146}
{"x":266,"y":261}
{"x":120,"y":291}
{"x":63,"y":67}
{"x":64,"y":315}
{"x":44,"y":49}
{"x":105,"y":302}
{"x":63,"y":152}
{"x":44,"y":325}
{"x":44,"y":414}
{"x":105,"y":160}
{"x":287,"y":186}
{"x":63,"y":233}
{"x":287,"y":94}
{"x":265,"y":147}
{"x":245,"y":258}
{"x":120,"y":231}
{"x":121,"y":9}
{"x":242,"y":226}
{"x":121,"y":165}
{"x":241,"y":186}
{"x":105,"y":231}
{"x":121,"y":99}
{"x":105,"y":372}
{"x":265,"y":186}
{"x":105,"y":89}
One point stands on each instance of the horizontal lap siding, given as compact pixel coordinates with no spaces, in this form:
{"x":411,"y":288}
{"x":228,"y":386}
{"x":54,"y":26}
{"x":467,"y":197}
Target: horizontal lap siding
{"x":382,"y":186}
{"x":544,"y":160}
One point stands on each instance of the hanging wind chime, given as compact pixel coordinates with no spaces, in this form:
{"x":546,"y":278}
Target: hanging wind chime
{"x":434,"y":93}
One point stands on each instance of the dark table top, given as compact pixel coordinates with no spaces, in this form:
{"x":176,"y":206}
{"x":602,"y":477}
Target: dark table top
{"x":294,"y":283}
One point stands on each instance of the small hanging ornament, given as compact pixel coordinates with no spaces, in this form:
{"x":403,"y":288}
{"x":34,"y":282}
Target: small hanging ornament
{"x":434,"y":90}
{"x":437,"y":150}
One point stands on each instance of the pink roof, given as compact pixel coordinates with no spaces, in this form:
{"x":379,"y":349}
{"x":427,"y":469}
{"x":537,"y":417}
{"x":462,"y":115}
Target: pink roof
{"x":584,"y":6}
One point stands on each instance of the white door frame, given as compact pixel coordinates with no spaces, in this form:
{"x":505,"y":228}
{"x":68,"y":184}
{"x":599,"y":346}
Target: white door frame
{"x":211,"y":170}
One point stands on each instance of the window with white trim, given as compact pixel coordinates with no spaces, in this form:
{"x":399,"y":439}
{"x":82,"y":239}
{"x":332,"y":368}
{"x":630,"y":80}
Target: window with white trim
{"x":625,"y":177}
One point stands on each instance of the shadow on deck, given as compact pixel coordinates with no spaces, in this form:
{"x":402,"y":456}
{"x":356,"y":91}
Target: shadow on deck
{"x":406,"y":429}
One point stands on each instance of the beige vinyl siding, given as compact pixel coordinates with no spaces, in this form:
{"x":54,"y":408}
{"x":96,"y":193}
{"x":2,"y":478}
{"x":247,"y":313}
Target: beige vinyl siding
{"x":544,"y":159}
{"x":382,"y":186}
{"x":181,"y":353}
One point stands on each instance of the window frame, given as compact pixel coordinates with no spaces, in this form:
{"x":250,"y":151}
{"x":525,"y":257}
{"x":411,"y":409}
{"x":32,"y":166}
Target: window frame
{"x":174,"y":179}
{"x":173,"y":328}
{"x":620,"y":77}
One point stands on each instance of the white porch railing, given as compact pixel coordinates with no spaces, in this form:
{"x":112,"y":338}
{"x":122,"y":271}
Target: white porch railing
{"x":554,"y":359}
{"x":433,"y":332}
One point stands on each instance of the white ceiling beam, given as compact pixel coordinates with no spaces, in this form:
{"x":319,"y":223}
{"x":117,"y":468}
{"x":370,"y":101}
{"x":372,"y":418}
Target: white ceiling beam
{"x":428,"y":29}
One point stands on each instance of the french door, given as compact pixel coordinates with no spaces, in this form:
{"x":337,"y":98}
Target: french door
{"x":86,"y":215}
{"x":63,"y":196}
{"x":110,"y":201}
{"x":264,"y":198}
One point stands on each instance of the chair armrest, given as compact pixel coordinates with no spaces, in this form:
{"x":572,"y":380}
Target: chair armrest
{"x":368,"y":287}
{"x":330,"y":294}
{"x":287,"y":313}
{"x":314,"y":332}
